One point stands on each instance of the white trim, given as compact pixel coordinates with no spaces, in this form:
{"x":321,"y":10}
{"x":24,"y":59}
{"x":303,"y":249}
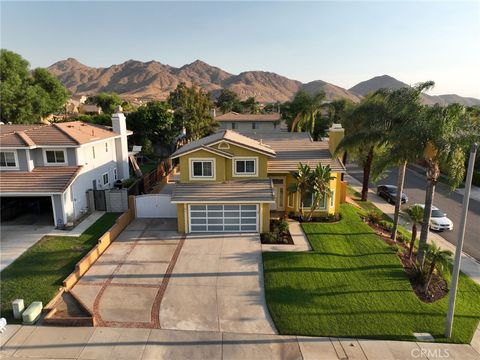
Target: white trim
{"x":318,"y":209}
{"x":15,"y":156}
{"x":54,"y":212}
{"x":103,"y":179}
{"x":223,"y":148}
{"x":206,"y":148}
{"x":199,"y":178}
{"x":284,"y":187}
{"x":244,"y":158}
{"x":30,"y":163}
{"x":46,"y":163}
{"x":28,"y":194}
{"x":245,"y":147}
{"x":291,"y":204}
{"x":257,"y":216}
{"x":196,"y":202}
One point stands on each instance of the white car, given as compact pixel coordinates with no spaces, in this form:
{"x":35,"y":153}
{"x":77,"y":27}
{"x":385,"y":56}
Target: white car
{"x":439,"y":220}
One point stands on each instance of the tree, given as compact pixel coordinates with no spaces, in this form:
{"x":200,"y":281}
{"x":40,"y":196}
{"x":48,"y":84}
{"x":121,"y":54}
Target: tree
{"x":192,"y":111}
{"x":107,"y":101}
{"x":415,"y":213}
{"x":153,"y":124}
{"x":443,"y":139}
{"x":27,"y":97}
{"x":320,"y":187}
{"x":302,"y":184}
{"x":403,"y":107}
{"x":228,"y":101}
{"x":250,"y":105}
{"x":437,"y":258}
{"x":309,"y":107}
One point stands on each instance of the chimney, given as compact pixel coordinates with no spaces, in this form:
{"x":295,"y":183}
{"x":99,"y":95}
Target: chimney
{"x":119,"y":125}
{"x":335,"y":135}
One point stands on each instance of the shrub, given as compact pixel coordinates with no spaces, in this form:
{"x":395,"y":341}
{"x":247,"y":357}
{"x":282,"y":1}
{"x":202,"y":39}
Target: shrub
{"x":374,"y":217}
{"x":283,"y":226}
{"x":270,"y":237}
{"x":386,"y":225}
{"x":476,"y":178}
{"x":420,"y":272}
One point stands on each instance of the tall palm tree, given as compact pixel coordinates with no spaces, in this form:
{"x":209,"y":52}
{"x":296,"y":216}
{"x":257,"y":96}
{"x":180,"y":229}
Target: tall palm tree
{"x":365,"y":128}
{"x":308,"y":112}
{"x":403,"y":109}
{"x":302,"y":183}
{"x":415,"y":213}
{"x":320,"y":186}
{"x":444,"y":138}
{"x":437,"y":258}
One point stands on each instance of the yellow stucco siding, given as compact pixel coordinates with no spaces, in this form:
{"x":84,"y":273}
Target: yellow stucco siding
{"x":181,"y":218}
{"x":240,"y":152}
{"x":185,"y":166}
{"x":265,"y":218}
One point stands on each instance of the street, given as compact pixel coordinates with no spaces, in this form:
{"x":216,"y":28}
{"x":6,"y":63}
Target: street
{"x":446,"y":200}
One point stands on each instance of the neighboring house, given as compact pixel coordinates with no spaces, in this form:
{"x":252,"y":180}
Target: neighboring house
{"x":251,"y":122}
{"x":54,"y":165}
{"x":230,"y":182}
{"x":74,"y":104}
{"x":89,"y":109}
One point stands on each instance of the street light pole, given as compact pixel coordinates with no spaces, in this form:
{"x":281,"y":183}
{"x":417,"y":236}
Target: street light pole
{"x":458,"y":249}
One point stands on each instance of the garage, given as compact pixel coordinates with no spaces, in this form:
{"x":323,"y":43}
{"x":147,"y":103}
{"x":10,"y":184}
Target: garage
{"x":223,"y":218}
{"x":27,"y":210}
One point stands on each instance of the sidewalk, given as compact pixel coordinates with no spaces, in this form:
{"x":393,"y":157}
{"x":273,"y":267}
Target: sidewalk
{"x":27,"y":342}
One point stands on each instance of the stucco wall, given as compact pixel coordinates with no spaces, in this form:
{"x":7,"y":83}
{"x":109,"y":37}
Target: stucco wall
{"x":247,"y":126}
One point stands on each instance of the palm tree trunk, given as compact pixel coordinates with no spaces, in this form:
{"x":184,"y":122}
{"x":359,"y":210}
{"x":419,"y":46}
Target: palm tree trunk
{"x":366,"y":174}
{"x":398,"y":201}
{"x":429,"y":193}
{"x":430,"y":274}
{"x":412,"y":241}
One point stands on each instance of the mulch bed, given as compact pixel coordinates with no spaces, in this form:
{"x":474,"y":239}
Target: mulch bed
{"x":438,"y":287}
{"x":285,"y":239}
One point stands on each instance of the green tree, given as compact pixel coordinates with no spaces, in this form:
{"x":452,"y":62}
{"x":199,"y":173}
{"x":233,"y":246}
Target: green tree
{"x":153,"y":123}
{"x":443,"y":138}
{"x":192,"y":111}
{"x":320,"y":187}
{"x":27,"y":97}
{"x":250,"y":105}
{"x":228,"y":101}
{"x":415,"y":214}
{"x":301,"y":185}
{"x":307,"y":109}
{"x":437,"y":258}
{"x":107,"y":101}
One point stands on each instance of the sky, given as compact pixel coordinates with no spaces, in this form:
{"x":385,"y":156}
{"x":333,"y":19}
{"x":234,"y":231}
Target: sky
{"x":339,"y":42}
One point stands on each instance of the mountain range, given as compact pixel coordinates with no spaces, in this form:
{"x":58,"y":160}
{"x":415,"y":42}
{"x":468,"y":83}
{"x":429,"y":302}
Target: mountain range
{"x":154,"y":80}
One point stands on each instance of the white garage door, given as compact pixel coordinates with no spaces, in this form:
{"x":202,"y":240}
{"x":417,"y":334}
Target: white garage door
{"x":223,"y":218}
{"x":155,"y":206}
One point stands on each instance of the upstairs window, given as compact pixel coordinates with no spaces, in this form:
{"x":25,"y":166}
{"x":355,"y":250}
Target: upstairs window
{"x":233,"y":126}
{"x":254,"y":125}
{"x":8,"y":159}
{"x":202,"y":169}
{"x":55,"y":157}
{"x":245,"y":167}
{"x":106,"y":147}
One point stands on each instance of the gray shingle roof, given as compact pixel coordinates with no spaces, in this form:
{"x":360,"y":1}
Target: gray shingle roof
{"x":238,"y":191}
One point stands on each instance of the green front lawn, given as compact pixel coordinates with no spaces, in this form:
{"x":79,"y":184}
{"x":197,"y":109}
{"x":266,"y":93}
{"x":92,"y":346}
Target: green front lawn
{"x":353,"y":285}
{"x":39,"y":272}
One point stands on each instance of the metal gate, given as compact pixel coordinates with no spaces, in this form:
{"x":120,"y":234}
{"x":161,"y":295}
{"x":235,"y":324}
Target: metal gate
{"x":100,"y":200}
{"x":155,"y":206}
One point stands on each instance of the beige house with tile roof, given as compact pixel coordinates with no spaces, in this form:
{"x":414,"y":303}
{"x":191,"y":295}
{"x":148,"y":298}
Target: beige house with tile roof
{"x":51,"y":167}
{"x":231,"y":181}
{"x":251,"y":122}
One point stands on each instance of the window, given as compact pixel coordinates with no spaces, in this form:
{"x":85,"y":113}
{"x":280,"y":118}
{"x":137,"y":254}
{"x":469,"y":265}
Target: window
{"x":233,"y":126}
{"x":93,"y":151}
{"x":290,"y":200}
{"x":202,"y":169}
{"x":105,"y":179}
{"x":55,"y":157}
{"x":332,"y":199}
{"x":115,"y":175}
{"x":8,"y":159}
{"x":245,"y":167}
{"x":223,"y":146}
{"x":254,"y":125}
{"x":308,"y":200}
{"x":106,"y":147}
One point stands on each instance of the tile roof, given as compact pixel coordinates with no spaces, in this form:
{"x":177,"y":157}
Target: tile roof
{"x":71,"y":133}
{"x":45,"y":179}
{"x":292,"y":148}
{"x":233,"y":116}
{"x":229,"y":191}
{"x":229,"y":136}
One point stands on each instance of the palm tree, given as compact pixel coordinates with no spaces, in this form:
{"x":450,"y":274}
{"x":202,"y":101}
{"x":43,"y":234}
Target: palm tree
{"x":365,"y":128}
{"x":320,"y":186}
{"x":437,"y":258}
{"x":403,"y":108}
{"x":302,"y":185}
{"x":415,"y":213}
{"x":308,"y":111}
{"x":444,"y":138}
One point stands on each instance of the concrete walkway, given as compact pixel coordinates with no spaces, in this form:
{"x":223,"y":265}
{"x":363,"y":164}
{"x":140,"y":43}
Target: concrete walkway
{"x":299,"y":238}
{"x":28,"y":342}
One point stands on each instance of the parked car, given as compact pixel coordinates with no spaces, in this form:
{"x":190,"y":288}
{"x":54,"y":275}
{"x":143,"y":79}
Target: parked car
{"x":439,"y":220}
{"x":389,"y":193}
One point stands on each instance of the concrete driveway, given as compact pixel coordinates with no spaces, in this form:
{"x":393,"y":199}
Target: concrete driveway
{"x":217,"y":285}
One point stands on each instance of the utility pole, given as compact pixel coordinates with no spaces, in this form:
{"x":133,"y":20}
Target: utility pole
{"x":461,"y":235}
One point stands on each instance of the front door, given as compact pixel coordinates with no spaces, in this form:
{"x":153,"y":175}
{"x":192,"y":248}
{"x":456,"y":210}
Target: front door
{"x":279,"y":188}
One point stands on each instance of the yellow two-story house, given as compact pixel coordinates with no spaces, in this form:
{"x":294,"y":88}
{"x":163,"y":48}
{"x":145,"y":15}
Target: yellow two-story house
{"x":231,"y":181}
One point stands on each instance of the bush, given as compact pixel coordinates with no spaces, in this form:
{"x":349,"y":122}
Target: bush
{"x":283,"y":226}
{"x":386,"y":225}
{"x":476,"y":178}
{"x":270,"y":237}
{"x":374,"y":217}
